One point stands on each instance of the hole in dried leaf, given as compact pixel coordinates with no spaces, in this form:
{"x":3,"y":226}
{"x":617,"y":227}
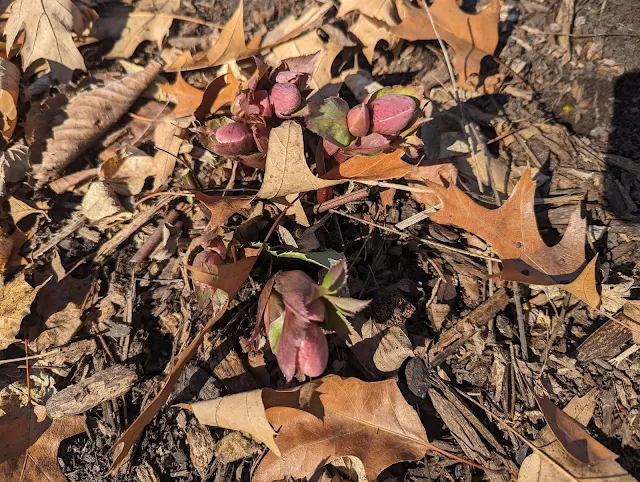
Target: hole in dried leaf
{"x":518,"y":244}
{"x":525,"y":272}
{"x":473,"y":6}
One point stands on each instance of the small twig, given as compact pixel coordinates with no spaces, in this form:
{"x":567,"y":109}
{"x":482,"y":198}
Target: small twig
{"x":340,"y":201}
{"x":65,"y":232}
{"x":517,"y":299}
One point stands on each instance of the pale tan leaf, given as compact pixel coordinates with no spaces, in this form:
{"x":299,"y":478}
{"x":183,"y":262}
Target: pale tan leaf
{"x":14,"y":164}
{"x":370,"y":31}
{"x":20,"y":210}
{"x":17,"y":296}
{"x":394,"y":348}
{"x":83,"y":121}
{"x":286,"y":169}
{"x":242,"y":411}
{"x":59,"y":328}
{"x":228,"y":46}
{"x":292,"y":26}
{"x":21,"y":432}
{"x":168,"y":142}
{"x":127,"y":175}
{"x":149,"y":20}
{"x":384,"y":10}
{"x":101,"y":204}
{"x":47,"y":27}
{"x":9,"y":86}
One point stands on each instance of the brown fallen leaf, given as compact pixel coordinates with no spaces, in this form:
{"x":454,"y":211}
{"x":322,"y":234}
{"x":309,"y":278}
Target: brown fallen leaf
{"x":381,"y":166}
{"x":20,"y":210}
{"x":9,"y":247}
{"x":572,"y":435}
{"x":220,"y":92}
{"x":149,"y":20}
{"x":560,"y":466}
{"x":221,"y":208}
{"x":229,"y":278}
{"x":292,"y":26}
{"x":9,"y":85}
{"x":322,"y":420}
{"x":101,"y":205}
{"x":426,"y":171}
{"x":168,"y":142}
{"x":370,"y":31}
{"x":228,"y":46}
{"x":187,"y":98}
{"x":383,"y":10}
{"x":471,"y":36}
{"x":127,"y":174}
{"x":286,"y":169}
{"x":512,"y":232}
{"x":17,"y":296}
{"x":83,"y":121}
{"x":53,"y":43}
{"x":14,"y":164}
{"x":29,"y":449}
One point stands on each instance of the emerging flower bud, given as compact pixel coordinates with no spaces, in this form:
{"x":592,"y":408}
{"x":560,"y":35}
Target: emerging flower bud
{"x":313,"y":353}
{"x":215,"y":253}
{"x":391,"y":113}
{"x":285,"y":98}
{"x":370,"y":144}
{"x":232,"y":139}
{"x":358,"y":120}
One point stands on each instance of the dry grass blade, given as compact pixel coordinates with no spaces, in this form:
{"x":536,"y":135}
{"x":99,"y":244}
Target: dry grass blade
{"x":84,"y":120}
{"x":53,"y":42}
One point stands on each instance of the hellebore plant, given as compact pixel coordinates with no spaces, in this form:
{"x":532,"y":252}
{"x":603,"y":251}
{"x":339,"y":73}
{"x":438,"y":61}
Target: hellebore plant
{"x":296,"y":311}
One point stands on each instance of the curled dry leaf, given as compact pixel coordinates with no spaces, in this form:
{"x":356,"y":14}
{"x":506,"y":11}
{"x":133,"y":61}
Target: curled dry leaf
{"x":101,"y":204}
{"x":220,"y":92}
{"x":221,"y":208}
{"x":386,"y":165}
{"x":9,"y":85}
{"x":228,"y":46}
{"x":126,"y":175}
{"x":290,"y":27}
{"x":512,"y":232}
{"x":149,"y":20}
{"x":168,"y":140}
{"x":53,"y":43}
{"x":17,"y":296}
{"x":29,"y":449}
{"x":426,"y":171}
{"x":370,"y":31}
{"x":573,"y":436}
{"x":14,"y":164}
{"x":82,"y":122}
{"x":559,"y":465}
{"x":328,"y":418}
{"x":186,"y":97}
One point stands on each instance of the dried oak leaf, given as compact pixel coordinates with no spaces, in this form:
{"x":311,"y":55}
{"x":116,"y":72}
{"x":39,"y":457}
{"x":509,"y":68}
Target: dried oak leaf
{"x":149,"y":20}
{"x":62,"y":134}
{"x":220,"y":92}
{"x":221,"y":208}
{"x":17,"y":296}
{"x":47,"y":26}
{"x":560,"y":465}
{"x":512,"y":232}
{"x":9,"y":247}
{"x":471,"y":36}
{"x":370,"y":31}
{"x":386,"y":165}
{"x":187,"y":98}
{"x":426,"y":171}
{"x":383,"y":10}
{"x":29,"y":449}
{"x":9,"y":85}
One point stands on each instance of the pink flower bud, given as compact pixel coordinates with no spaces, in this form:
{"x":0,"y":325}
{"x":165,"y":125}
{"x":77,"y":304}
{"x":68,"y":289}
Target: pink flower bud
{"x":232,"y":139}
{"x":358,"y":120}
{"x":285,"y":98}
{"x":215,"y":253}
{"x":391,"y":113}
{"x":370,"y":144}
{"x":313,"y":353}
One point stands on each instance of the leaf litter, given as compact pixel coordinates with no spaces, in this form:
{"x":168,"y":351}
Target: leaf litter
{"x":221,"y":236}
